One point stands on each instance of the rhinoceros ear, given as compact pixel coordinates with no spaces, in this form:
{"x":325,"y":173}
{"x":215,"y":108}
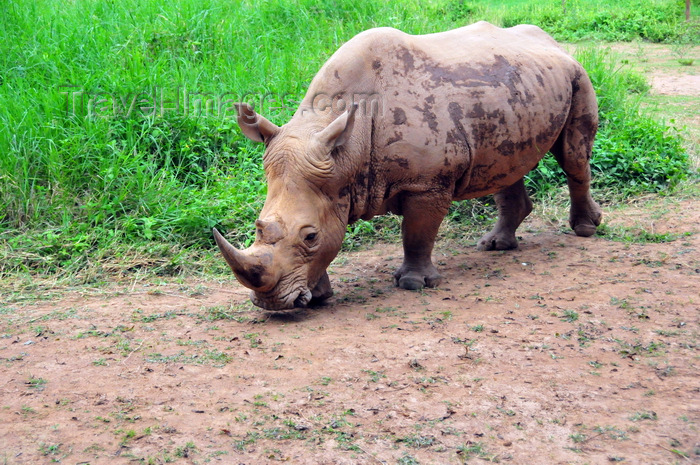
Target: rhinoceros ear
{"x":338,"y":132}
{"x":254,"y":126}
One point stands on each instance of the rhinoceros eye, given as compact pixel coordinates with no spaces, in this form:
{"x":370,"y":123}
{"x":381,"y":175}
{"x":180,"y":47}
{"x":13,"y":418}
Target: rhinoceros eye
{"x":309,"y":235}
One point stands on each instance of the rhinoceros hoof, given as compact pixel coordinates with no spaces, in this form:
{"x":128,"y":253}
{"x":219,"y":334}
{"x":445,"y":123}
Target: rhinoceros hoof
{"x":584,"y":222}
{"x":584,"y":230}
{"x":497,"y":242}
{"x":414,"y":281}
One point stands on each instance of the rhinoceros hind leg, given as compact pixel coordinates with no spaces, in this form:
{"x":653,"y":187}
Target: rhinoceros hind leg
{"x":573,"y":152}
{"x":421,"y":220}
{"x":322,"y":290}
{"x":513,"y":207}
{"x":585,"y":214}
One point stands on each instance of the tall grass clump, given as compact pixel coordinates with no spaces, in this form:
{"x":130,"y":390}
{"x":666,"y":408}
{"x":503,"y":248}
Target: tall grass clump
{"x":117,"y":128}
{"x":654,"y":21}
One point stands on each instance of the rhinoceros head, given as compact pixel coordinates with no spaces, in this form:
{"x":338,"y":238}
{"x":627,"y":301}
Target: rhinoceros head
{"x":300,"y":228}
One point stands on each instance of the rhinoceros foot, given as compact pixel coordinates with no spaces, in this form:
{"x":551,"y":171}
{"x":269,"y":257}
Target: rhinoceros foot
{"x":585,"y":218}
{"x":414,"y":279}
{"x":497,"y":240}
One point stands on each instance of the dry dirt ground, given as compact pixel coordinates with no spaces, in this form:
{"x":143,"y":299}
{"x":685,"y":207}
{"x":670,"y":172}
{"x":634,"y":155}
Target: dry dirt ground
{"x":566,"y":351}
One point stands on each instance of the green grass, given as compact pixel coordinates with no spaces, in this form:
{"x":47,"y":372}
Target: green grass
{"x":637,"y":235}
{"x":38,"y":384}
{"x":120,"y":153}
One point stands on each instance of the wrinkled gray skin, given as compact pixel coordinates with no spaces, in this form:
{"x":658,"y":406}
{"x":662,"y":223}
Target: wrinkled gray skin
{"x":436,"y":118}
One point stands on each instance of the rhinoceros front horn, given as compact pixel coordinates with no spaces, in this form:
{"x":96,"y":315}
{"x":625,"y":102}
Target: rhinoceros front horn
{"x":251,"y":270}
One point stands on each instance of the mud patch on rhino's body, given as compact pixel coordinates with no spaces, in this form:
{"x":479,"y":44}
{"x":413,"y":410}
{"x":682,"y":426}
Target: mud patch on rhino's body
{"x":458,"y":136}
{"x":399,"y":116}
{"x":398,"y":136}
{"x":589,"y":125}
{"x":444,"y":180}
{"x":428,"y":116}
{"x":483,"y":178}
{"x":484,"y":131}
{"x":406,"y":57}
{"x":556,"y":123}
{"x":478,"y":112}
{"x":401,"y":161}
{"x":508,"y":148}
{"x":491,"y":74}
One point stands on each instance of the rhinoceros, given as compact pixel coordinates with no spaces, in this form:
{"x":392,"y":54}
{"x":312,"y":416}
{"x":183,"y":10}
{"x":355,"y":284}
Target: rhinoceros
{"x":404,"y":123}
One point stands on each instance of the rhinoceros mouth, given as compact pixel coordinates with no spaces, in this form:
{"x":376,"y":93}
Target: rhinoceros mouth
{"x":271,"y":302}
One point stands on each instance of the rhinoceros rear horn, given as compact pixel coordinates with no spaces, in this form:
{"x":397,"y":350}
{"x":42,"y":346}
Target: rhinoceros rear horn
{"x":338,"y":132}
{"x":249,"y":270}
{"x":254,"y":126}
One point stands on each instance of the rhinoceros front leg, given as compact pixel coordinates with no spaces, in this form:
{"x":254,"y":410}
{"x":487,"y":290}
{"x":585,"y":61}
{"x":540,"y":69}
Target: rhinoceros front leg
{"x":513,"y":207}
{"x":421,"y":220}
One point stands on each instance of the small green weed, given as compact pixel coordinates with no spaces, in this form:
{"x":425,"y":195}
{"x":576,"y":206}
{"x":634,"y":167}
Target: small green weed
{"x":374,"y":376}
{"x":471,"y":450}
{"x":139,"y":317}
{"x":644,"y":415}
{"x":612,"y":432}
{"x":220,"y":312}
{"x":407,"y":459}
{"x":38,"y":384}
{"x":185,"y":451}
{"x":279,"y":433}
{"x":417,"y":441}
{"x":208,"y":357}
{"x":49,"y":449}
{"x":637,"y":348}
{"x":636,"y":235}
{"x":250,"y":438}
{"x":26,"y":409}
{"x":254,"y":339}
{"x":620,"y":303}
